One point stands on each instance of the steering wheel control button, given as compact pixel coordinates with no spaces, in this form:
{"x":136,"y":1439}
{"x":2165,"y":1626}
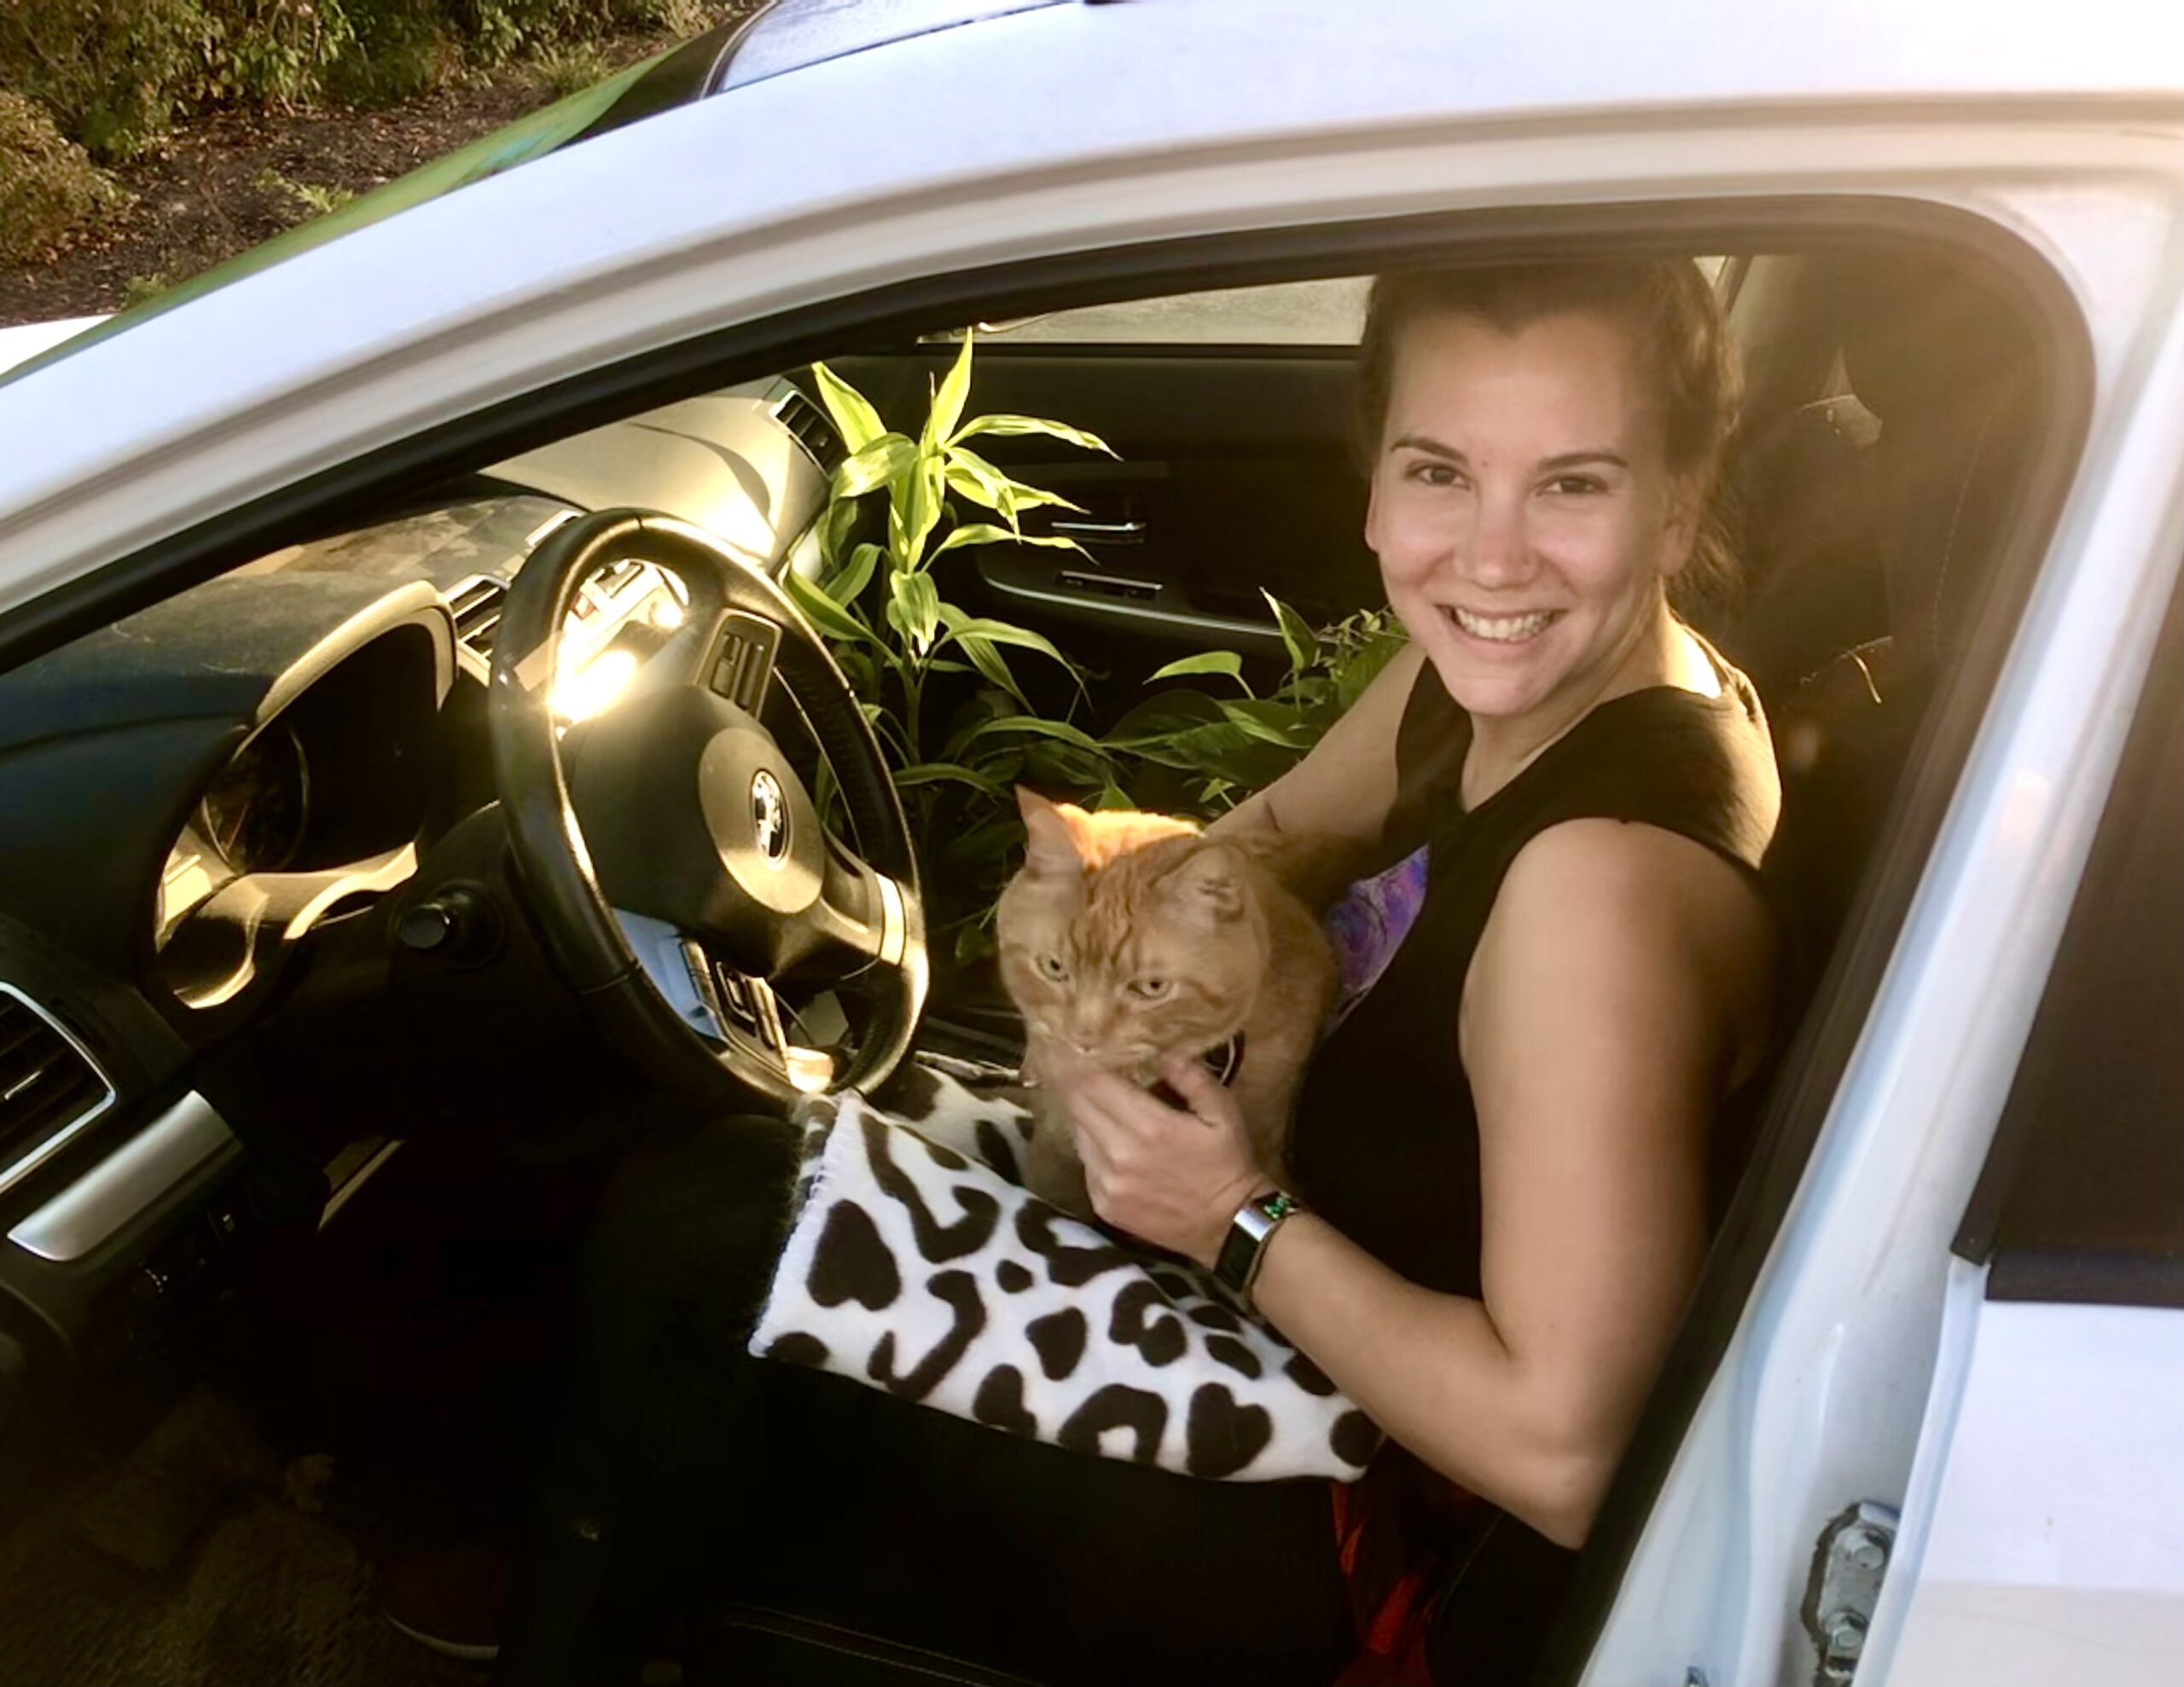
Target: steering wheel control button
{"x":770,"y":817}
{"x":744,"y":660}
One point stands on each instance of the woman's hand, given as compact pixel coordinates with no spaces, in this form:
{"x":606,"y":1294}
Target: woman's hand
{"x":1174,"y":1177}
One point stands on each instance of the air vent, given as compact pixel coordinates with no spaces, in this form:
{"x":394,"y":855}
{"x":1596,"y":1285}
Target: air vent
{"x":49,"y":1087}
{"x":477,"y":605}
{"x":809,"y":423}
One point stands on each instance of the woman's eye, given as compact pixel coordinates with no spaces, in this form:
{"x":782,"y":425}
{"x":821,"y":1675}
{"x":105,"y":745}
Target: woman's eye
{"x":1575,"y":486}
{"x":1051,"y":965}
{"x":1433,"y":474}
{"x":1150,"y":989}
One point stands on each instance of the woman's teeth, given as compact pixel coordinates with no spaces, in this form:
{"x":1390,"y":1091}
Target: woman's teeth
{"x":1502,"y":628}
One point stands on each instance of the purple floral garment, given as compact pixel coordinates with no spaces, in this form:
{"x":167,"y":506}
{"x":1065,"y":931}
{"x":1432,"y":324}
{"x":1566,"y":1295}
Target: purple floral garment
{"x":1368,"y":925}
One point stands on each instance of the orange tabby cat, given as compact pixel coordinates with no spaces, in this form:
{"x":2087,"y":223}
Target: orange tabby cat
{"x":1128,"y":937}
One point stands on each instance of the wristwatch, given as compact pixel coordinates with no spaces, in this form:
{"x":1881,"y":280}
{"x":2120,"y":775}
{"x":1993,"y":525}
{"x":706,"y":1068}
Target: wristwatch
{"x":1245,"y":1246}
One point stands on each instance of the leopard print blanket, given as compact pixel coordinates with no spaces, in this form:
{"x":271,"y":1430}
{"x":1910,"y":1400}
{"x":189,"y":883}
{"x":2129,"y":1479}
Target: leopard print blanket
{"x":917,"y":1263}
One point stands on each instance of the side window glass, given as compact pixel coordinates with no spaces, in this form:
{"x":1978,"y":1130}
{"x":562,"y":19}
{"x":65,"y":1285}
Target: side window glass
{"x":1290,"y":313}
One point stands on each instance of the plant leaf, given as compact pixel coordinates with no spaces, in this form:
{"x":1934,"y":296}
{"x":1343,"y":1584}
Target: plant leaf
{"x":988,"y":661}
{"x":1206,"y":662}
{"x":1304,"y":644}
{"x":948,"y":773}
{"x":914,"y":607}
{"x":915,"y":493}
{"x":948,"y":403}
{"x":850,"y":583}
{"x":1009,"y":426}
{"x":1038,"y":727}
{"x":855,"y":419}
{"x":984,"y":533}
{"x":876,"y":464}
{"x":1004,"y":632}
{"x":974,"y":533}
{"x":834,"y":531}
{"x":975,"y":479}
{"x":1269,"y":723}
{"x":823,"y":612}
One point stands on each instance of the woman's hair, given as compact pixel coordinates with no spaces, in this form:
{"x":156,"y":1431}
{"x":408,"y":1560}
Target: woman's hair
{"x":1673,"y":318}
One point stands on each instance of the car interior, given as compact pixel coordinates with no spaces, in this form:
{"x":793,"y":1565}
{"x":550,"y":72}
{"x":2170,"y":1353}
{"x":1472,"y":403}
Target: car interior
{"x":303,"y":1108}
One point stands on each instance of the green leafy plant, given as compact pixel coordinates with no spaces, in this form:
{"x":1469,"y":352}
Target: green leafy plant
{"x":1186,"y":748}
{"x":901,"y":641}
{"x":899,"y":635}
{"x":958,"y":725}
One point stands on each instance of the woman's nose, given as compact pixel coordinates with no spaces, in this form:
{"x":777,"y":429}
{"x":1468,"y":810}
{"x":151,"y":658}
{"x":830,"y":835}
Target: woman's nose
{"x":1500,"y":554}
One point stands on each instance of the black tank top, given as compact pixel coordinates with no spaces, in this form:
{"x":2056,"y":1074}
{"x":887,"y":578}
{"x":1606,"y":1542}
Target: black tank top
{"x":1386,"y":1143}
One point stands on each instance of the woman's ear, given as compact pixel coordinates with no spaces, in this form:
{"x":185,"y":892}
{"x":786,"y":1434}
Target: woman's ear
{"x":1687,"y":505}
{"x":1051,"y":849}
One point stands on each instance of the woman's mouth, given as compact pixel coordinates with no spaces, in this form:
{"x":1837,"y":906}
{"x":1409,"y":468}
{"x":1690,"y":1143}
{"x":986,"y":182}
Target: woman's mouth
{"x":1502,"y":628}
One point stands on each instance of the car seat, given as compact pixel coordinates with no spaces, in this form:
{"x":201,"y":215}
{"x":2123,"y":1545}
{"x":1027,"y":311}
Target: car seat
{"x":1884,"y":497}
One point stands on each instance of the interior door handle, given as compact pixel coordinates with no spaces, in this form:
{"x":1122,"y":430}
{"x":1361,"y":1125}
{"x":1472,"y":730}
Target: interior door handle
{"x":1103,"y":532}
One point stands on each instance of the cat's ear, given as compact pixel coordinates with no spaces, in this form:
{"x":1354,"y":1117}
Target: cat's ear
{"x":1208,"y":886}
{"x":1051,"y":849}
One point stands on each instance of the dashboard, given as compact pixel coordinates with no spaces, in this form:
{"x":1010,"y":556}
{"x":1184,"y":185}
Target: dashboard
{"x":197,"y":802}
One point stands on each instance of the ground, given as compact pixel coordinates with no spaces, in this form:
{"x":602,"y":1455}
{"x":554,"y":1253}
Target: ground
{"x":217,"y":187}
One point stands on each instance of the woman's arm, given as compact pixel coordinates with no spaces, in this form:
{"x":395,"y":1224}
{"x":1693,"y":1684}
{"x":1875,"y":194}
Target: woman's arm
{"x":1347,"y":783}
{"x":1621,"y":974}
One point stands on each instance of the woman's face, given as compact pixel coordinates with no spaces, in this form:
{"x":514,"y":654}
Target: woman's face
{"x":1523,"y":508}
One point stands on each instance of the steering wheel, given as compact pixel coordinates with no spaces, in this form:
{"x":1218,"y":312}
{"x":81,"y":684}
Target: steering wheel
{"x":675,"y":861}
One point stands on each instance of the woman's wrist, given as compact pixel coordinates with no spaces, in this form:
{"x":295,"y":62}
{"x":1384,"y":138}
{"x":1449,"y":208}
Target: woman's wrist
{"x":1222,"y":1217}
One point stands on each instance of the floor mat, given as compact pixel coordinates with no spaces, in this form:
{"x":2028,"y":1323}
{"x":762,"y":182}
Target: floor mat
{"x":267,"y":1597}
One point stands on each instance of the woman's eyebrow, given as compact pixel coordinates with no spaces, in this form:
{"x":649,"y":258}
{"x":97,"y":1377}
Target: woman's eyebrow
{"x":1435,"y":448}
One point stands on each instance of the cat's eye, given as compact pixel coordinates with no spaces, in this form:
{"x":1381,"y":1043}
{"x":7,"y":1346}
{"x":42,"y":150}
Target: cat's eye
{"x":1051,"y":966}
{"x":1151,"y":989}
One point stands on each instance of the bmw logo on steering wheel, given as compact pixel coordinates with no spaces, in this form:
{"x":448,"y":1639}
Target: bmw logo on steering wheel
{"x":770,"y":817}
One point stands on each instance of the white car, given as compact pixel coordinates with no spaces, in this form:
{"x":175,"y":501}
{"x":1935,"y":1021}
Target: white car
{"x":1924,"y":1422}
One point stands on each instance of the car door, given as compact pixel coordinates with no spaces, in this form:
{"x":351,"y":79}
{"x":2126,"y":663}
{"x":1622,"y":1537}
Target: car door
{"x":2044,"y":1532}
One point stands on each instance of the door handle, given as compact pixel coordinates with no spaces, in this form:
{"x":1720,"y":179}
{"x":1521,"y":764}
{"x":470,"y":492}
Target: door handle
{"x":1103,"y":532}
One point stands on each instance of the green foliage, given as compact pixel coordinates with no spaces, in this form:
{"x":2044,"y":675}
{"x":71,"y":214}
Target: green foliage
{"x":311,"y":199}
{"x":900,"y":640}
{"x":48,"y":189}
{"x":143,"y":289}
{"x":570,"y":69}
{"x":880,"y":606}
{"x":1218,"y":749}
{"x":117,"y":74}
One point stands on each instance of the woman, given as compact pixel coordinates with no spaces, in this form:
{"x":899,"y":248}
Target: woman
{"x":1502,"y":1152}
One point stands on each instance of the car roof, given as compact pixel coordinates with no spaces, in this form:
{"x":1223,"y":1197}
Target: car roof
{"x":793,"y":34}
{"x":1096,"y":120}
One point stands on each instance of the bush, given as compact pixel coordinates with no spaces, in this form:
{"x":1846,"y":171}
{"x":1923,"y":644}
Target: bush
{"x":117,"y":74}
{"x":49,"y":188}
